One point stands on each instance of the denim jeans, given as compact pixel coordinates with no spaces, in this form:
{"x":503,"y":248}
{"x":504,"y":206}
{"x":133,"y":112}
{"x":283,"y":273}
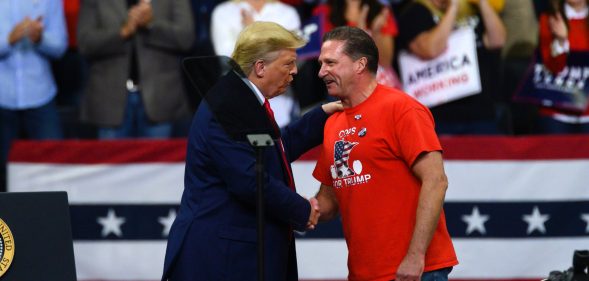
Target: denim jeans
{"x":436,"y":275}
{"x":36,"y":123}
{"x":136,"y":124}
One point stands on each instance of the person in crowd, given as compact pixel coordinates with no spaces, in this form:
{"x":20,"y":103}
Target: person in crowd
{"x":32,"y":33}
{"x":563,"y":29}
{"x":202,"y":11}
{"x":521,"y":25}
{"x":133,"y":48}
{"x":214,"y":234}
{"x":425,"y":27}
{"x":381,"y":168}
{"x":374,"y":18}
{"x":70,"y":73}
{"x":230,"y":17}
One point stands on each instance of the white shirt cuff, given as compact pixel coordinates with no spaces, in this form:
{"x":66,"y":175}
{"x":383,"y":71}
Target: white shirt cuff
{"x":558,"y":49}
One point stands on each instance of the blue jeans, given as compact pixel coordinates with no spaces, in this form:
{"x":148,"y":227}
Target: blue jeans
{"x":436,"y":275}
{"x":38,"y":123}
{"x":136,"y":124}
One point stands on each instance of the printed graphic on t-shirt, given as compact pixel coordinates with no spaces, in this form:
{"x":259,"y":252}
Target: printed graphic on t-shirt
{"x":341,"y":155}
{"x":343,"y":175}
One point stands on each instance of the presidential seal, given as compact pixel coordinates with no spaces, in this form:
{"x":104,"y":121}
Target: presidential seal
{"x":6,"y":247}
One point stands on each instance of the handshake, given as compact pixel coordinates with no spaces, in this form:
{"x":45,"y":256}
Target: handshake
{"x":324,"y":204}
{"x":314,"y":215}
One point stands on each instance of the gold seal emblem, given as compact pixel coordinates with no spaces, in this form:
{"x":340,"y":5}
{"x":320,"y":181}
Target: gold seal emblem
{"x":6,"y":247}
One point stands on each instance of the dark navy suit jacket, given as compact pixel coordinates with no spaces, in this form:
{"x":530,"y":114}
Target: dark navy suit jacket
{"x":214,"y":235}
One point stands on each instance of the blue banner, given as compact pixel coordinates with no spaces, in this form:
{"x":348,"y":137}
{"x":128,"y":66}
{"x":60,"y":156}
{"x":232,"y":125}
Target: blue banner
{"x":567,"y":90}
{"x":312,"y":32}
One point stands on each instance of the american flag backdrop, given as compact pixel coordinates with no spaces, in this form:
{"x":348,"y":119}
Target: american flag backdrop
{"x":516,"y":208}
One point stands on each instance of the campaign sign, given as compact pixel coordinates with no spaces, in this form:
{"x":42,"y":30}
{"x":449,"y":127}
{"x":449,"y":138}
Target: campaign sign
{"x":452,"y":75}
{"x":567,"y":90}
{"x":311,"y":31}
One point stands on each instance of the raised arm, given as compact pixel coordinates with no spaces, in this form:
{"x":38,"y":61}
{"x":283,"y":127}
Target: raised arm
{"x":495,"y":34}
{"x":432,"y":43}
{"x":384,"y":42}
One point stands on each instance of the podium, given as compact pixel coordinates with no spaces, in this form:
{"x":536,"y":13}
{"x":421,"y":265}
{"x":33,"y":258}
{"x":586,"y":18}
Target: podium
{"x":36,"y":237}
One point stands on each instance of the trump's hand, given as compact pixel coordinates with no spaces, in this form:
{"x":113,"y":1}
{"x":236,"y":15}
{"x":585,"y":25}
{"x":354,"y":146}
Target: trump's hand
{"x":314,"y":215}
{"x":331,"y":107}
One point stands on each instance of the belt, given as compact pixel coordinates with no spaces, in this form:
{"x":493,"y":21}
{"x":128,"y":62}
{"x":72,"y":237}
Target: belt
{"x":132,"y":86}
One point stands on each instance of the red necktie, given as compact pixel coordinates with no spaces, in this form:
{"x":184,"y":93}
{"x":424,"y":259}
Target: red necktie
{"x":282,"y":152}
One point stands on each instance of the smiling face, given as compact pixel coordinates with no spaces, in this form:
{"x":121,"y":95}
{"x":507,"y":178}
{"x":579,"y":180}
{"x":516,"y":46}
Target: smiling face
{"x":278,"y":73}
{"x":337,"y":68}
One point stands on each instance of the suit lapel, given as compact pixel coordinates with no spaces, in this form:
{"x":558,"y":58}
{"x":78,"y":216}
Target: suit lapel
{"x":237,"y":108}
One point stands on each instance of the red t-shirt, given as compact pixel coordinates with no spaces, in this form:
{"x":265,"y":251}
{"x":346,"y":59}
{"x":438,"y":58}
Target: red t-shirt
{"x":366,"y":156}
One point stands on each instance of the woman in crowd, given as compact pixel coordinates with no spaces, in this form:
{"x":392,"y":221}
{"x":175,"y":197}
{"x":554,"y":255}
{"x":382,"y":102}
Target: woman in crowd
{"x":563,"y":29}
{"x":376,"y":19}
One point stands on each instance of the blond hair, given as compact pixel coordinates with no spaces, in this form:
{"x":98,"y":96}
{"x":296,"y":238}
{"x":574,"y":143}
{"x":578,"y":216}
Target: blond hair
{"x":260,"y":40}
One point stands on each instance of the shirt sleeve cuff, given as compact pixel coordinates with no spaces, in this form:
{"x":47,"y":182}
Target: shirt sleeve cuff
{"x":557,"y":48}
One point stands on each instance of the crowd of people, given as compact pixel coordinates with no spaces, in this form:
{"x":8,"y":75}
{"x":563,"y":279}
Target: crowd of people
{"x":112,"y":69}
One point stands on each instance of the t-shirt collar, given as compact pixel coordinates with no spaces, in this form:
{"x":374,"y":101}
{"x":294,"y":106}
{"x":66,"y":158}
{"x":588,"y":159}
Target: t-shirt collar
{"x":574,"y":15}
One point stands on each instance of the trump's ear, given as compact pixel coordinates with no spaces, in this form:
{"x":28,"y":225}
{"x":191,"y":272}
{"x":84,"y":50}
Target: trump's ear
{"x":259,"y":68}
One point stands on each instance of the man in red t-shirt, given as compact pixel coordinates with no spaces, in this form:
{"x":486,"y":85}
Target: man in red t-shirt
{"x":381,"y":167}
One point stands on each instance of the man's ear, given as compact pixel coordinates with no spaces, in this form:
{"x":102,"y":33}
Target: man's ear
{"x":259,"y":68}
{"x":361,"y":64}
